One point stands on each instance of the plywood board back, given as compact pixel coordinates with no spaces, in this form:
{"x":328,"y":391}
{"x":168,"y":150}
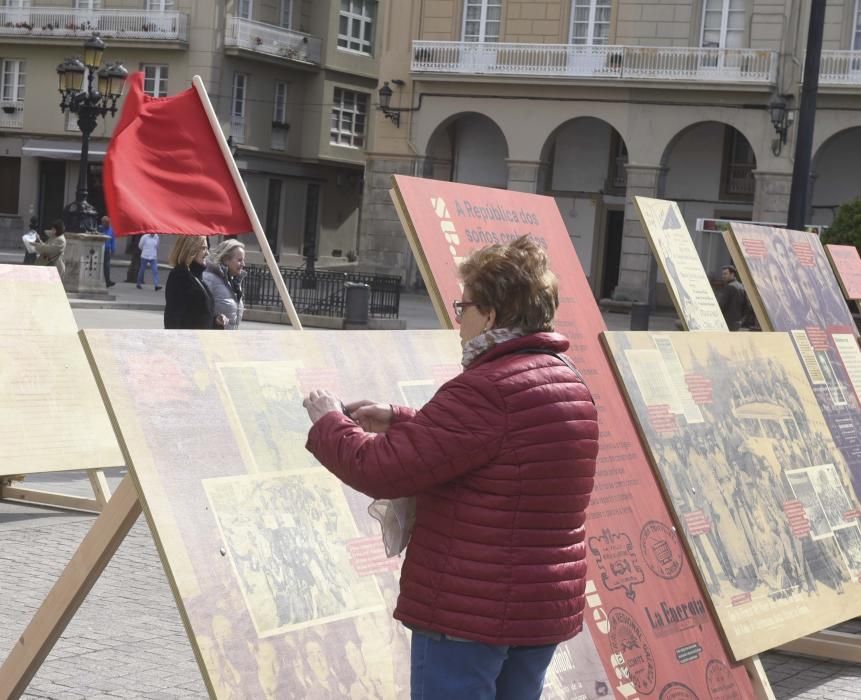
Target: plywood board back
{"x":846,"y":263}
{"x":51,"y":415}
{"x":637,"y":566}
{"x":758,"y":487}
{"x":674,"y":250}
{"x":32,"y":299}
{"x":792,"y":288}
{"x":277,"y":568}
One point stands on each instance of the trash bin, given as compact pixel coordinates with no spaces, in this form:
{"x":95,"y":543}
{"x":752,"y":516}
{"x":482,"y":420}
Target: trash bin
{"x":640,"y":316}
{"x":358,"y":299}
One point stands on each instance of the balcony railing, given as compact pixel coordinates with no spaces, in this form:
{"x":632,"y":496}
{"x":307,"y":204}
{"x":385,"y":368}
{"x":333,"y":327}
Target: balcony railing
{"x":151,"y":25}
{"x":11,"y":114}
{"x":272,"y":40}
{"x":605,"y":62}
{"x":840,"y":68}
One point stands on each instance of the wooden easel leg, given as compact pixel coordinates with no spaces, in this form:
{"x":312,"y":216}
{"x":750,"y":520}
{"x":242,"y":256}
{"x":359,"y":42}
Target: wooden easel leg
{"x":9,"y":490}
{"x":758,"y":679}
{"x":828,"y":644}
{"x":70,"y":590}
{"x":101,"y":490}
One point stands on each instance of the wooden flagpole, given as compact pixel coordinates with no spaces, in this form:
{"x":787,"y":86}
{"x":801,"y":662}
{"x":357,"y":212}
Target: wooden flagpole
{"x":246,"y":200}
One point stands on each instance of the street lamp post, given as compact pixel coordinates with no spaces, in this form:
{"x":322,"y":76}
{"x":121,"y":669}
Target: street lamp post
{"x":89,"y":92}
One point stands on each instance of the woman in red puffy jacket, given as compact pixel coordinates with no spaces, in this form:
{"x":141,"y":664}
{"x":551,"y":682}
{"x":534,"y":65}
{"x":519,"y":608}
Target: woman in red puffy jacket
{"x":501,"y":461}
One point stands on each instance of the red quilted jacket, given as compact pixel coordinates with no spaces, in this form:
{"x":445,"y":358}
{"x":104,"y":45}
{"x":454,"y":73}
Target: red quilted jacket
{"x":502,"y":461}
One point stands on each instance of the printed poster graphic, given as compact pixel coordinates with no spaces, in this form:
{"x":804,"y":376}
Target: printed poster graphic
{"x":792,"y":288}
{"x":759,"y":486}
{"x":680,"y":263}
{"x":445,"y":222}
{"x":846,"y":263}
{"x":288,"y":538}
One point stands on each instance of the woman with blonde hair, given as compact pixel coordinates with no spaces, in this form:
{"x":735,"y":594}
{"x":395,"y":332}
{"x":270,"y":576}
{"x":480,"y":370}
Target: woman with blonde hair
{"x":223,"y":276}
{"x":501,"y":461}
{"x":187,"y":301}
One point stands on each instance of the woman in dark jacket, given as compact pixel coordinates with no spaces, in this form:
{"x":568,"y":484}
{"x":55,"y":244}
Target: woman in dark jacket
{"x":187,"y":302}
{"x":501,"y":462}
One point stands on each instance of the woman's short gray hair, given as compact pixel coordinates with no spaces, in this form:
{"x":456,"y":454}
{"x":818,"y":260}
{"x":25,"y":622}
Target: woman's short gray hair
{"x":225,"y":250}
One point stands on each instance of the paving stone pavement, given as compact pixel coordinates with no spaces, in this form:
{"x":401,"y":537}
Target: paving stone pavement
{"x":127,"y":639}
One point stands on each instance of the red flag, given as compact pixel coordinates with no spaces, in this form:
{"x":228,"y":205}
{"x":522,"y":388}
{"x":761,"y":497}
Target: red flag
{"x":164,"y":170}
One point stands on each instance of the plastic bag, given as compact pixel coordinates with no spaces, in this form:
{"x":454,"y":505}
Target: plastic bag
{"x":396,"y":516}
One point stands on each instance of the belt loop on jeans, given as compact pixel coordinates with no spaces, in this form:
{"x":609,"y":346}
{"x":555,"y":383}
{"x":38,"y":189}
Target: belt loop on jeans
{"x":437,"y":636}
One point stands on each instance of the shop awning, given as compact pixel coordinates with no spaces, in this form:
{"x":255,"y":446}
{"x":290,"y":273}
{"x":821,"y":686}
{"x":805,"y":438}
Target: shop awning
{"x":58,"y":149}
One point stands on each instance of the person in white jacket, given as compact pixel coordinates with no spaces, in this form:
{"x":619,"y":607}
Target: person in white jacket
{"x":29,"y":239}
{"x":223,"y":276}
{"x":148,"y":245}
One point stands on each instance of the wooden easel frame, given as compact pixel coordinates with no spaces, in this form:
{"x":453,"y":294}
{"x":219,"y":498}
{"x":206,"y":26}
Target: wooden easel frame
{"x":10,"y":490}
{"x":70,"y":590}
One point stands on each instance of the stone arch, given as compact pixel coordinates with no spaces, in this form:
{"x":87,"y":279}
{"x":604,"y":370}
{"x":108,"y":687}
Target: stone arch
{"x":468,"y":147}
{"x":836,"y":179}
{"x":584,"y":163}
{"x":708,"y":171}
{"x":681,"y":131}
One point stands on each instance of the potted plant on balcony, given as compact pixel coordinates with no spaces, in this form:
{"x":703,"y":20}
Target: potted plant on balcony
{"x":284,"y":126}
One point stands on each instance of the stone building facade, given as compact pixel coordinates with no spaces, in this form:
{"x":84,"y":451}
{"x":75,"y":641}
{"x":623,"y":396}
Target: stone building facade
{"x":292,"y":82}
{"x":595,"y":101}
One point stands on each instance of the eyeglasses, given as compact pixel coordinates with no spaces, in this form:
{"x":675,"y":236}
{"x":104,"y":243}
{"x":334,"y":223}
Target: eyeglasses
{"x":459,"y":306}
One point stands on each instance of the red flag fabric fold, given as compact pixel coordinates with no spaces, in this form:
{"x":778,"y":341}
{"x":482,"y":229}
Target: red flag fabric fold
{"x":164,"y":170}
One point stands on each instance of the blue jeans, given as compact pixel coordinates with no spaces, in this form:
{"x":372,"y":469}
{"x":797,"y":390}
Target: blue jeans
{"x":451,"y":670}
{"x":142,"y":269}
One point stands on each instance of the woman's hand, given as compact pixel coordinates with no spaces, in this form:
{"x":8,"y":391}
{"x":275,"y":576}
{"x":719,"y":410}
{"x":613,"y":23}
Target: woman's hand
{"x":372,"y":417}
{"x":319,"y":403}
{"x":221,"y":321}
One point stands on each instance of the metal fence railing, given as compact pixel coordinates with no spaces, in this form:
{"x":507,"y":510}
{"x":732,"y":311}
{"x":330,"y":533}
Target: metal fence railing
{"x":321,"y":292}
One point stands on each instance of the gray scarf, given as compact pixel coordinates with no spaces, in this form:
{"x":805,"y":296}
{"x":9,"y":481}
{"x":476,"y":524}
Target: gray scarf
{"x":487,"y":340}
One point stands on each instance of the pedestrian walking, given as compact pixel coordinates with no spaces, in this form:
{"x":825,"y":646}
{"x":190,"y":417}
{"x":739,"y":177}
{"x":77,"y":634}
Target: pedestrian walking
{"x":110,"y":246}
{"x":51,"y":251}
{"x":501,"y":460}
{"x":225,"y":271}
{"x":188,"y":303}
{"x":733,"y":300}
{"x":134,"y":253}
{"x":29,"y":239}
{"x":148,"y":245}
